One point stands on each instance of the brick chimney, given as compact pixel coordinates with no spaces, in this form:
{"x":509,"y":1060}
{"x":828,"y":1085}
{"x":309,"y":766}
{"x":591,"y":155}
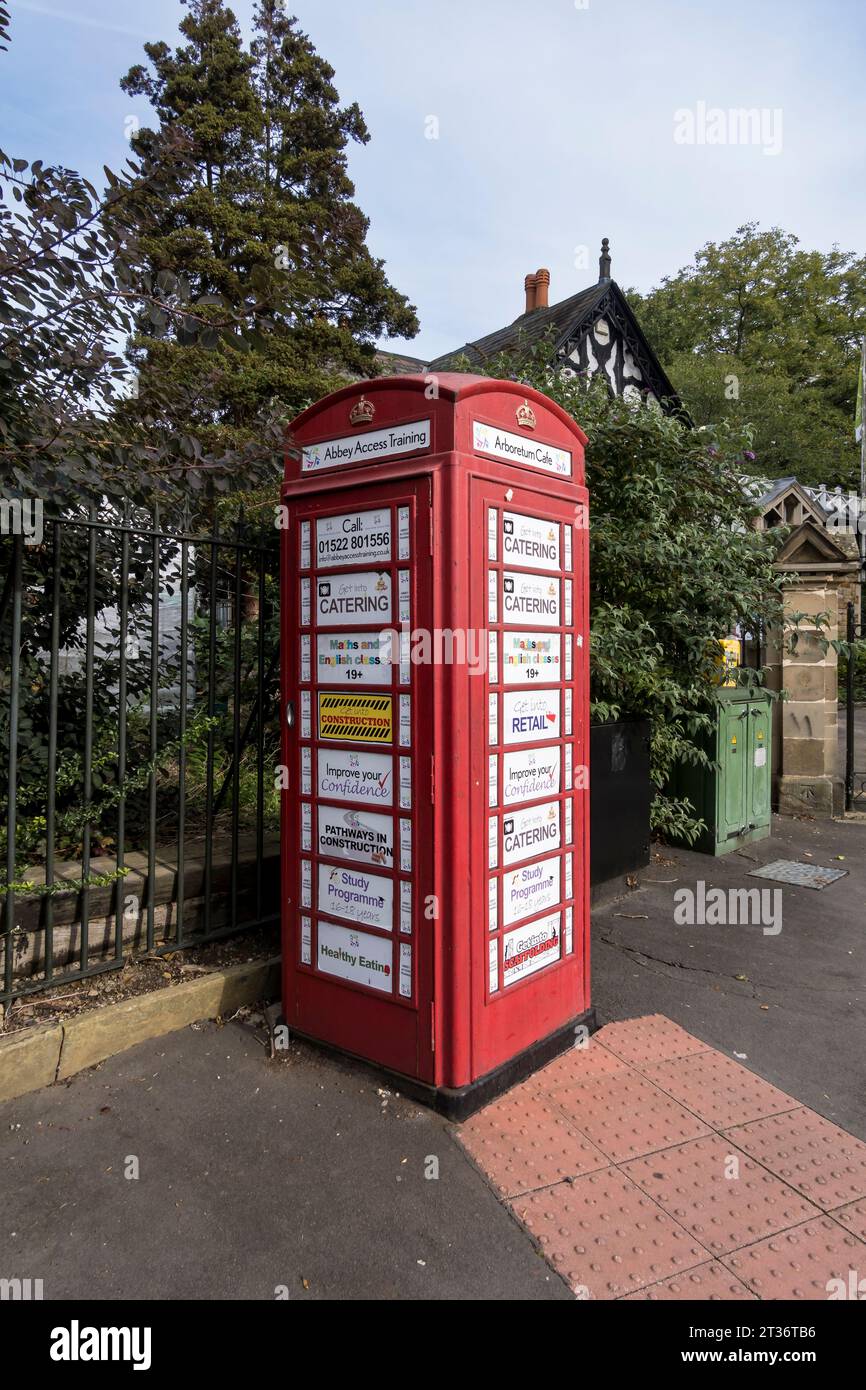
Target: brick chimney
{"x":542,"y":285}
{"x":529,"y":286}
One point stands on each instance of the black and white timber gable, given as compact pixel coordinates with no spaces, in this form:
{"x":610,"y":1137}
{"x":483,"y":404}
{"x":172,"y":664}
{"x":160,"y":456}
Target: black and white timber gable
{"x":592,"y":332}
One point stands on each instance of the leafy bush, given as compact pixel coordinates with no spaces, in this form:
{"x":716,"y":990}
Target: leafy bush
{"x":675,"y":563}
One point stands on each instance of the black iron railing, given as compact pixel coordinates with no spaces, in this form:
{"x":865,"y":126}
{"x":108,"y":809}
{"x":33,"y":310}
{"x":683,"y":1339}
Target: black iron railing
{"x":139,"y":718}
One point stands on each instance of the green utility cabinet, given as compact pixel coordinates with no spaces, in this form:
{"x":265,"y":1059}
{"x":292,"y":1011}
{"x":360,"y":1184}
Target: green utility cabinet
{"x":733,"y":796}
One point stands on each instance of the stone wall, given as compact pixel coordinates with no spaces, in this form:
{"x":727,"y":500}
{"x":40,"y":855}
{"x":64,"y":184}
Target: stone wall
{"x":806,"y":722}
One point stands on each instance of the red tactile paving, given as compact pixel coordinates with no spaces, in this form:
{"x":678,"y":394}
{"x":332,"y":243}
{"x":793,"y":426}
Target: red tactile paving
{"x":719,"y":1195}
{"x":853,"y":1218}
{"x":578,"y":1065}
{"x":523,"y":1142}
{"x":710,"y":1283}
{"x":643,"y":1041}
{"x":625,"y":1115}
{"x":810,"y":1153}
{"x":799,"y":1263}
{"x":616,"y":1156}
{"x":718,"y":1089}
{"x":605,"y":1237}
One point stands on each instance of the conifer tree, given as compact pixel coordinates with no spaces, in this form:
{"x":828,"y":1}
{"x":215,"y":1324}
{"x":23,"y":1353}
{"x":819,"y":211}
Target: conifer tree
{"x":264,"y":224}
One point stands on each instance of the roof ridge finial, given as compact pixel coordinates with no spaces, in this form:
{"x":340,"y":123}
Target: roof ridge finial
{"x":604,"y":261}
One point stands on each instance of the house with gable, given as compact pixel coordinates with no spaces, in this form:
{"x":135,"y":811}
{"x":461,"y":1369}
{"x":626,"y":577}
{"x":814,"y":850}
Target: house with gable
{"x":591,"y":332}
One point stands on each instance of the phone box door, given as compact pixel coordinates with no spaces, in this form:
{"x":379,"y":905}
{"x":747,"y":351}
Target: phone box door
{"x":530,"y":950}
{"x":357,"y":838}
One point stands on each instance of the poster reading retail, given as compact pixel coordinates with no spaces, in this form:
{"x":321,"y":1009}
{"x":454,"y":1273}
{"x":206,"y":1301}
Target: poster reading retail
{"x":357,"y":835}
{"x":530,"y":598}
{"x":530,"y":717}
{"x":356,"y":776}
{"x":353,"y":538}
{"x":529,"y":890}
{"x":355,"y":956}
{"x":528,"y":775}
{"x":530,"y":541}
{"x":530,"y":657}
{"x":353,"y":658}
{"x":353,"y":598}
{"x":356,"y":894}
{"x":530,"y":948}
{"x":530,"y":832}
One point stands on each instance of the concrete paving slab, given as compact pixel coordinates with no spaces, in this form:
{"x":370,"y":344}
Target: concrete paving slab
{"x":718,"y":1089}
{"x":711,"y":1283}
{"x":853,"y":1218}
{"x":626,"y":1116}
{"x":649,"y":1040}
{"x":817,"y":1158}
{"x":799,"y":1264}
{"x":595,"y":1060}
{"x":523,"y":1142}
{"x":724,"y":1200}
{"x":605,"y":1236}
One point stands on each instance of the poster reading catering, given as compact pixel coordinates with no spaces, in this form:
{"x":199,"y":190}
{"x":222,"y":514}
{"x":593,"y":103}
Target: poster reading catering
{"x":530,"y":598}
{"x":531,"y":831}
{"x":530,"y":542}
{"x":353,"y":598}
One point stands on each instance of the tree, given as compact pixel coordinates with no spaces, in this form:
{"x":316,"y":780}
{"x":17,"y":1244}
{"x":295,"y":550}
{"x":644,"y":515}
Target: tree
{"x":674,"y":560}
{"x":760,"y":331}
{"x":793,"y":429}
{"x":264,"y":223}
{"x":68,"y":292}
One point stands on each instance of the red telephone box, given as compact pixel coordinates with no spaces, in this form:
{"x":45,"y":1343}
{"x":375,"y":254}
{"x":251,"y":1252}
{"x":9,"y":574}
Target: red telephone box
{"x":435,"y":851}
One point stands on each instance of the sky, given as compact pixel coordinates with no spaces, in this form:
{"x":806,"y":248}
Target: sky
{"x":506,"y":136}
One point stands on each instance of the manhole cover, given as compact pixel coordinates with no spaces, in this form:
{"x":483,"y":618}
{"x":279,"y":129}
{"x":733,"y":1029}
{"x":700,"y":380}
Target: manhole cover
{"x":803,"y":875}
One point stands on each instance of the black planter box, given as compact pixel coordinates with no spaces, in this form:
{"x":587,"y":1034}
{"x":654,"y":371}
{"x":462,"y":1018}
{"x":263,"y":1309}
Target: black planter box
{"x":620,"y":793}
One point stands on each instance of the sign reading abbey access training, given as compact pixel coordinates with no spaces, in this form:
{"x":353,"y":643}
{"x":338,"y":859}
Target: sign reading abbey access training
{"x":372,"y":444}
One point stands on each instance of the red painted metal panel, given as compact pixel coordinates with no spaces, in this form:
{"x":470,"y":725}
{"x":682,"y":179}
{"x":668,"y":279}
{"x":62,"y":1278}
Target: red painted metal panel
{"x":398,"y":492}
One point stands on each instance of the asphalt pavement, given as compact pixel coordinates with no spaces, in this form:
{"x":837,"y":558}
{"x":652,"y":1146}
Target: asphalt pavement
{"x":195,"y":1167}
{"x":791,"y":1005}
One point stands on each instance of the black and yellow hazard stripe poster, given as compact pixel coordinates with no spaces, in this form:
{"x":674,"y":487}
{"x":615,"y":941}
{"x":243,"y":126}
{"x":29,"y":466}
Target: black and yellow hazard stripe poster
{"x":356,"y":718}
